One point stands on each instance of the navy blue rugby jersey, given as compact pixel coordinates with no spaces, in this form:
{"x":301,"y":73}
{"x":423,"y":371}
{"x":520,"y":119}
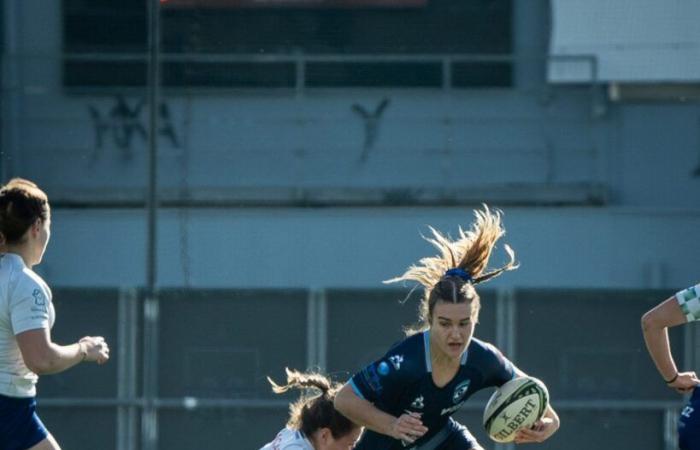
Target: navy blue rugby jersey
{"x":401,"y":381}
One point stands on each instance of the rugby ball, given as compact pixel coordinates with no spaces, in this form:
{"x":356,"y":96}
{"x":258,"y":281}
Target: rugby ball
{"x":517,"y":404}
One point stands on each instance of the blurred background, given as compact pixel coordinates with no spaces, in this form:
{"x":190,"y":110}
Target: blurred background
{"x":231,"y":180}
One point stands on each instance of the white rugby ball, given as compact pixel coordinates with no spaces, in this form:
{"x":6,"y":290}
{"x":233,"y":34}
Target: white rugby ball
{"x":517,"y":404}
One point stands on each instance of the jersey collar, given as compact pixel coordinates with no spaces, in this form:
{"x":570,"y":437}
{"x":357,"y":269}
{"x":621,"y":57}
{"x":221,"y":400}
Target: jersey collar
{"x":428,"y":359}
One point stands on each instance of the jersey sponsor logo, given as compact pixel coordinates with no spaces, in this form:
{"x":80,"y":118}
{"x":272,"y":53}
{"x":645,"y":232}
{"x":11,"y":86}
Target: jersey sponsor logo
{"x":372,"y":379}
{"x":452,"y":409}
{"x":383,"y":368}
{"x":39,"y":301}
{"x":460,"y":391}
{"x":418,"y":402}
{"x":396,"y":361}
{"x":687,"y":411}
{"x":39,"y":298}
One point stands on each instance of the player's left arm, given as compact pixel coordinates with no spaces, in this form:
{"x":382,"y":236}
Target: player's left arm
{"x":541,"y":430}
{"x":675,"y":310}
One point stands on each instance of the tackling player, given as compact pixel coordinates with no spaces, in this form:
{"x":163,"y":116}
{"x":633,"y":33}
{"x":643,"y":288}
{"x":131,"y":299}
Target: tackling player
{"x":314,"y":424}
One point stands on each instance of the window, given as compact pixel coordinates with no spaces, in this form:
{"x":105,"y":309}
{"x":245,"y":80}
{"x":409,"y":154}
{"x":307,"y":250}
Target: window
{"x":331,"y":44}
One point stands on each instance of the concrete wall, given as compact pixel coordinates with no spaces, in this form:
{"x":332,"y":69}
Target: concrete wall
{"x":360,"y":247}
{"x":515,"y":148}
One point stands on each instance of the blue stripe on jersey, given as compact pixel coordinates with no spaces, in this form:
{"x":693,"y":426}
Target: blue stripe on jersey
{"x":426,"y":344}
{"x":463,"y":361}
{"x":356,"y":389}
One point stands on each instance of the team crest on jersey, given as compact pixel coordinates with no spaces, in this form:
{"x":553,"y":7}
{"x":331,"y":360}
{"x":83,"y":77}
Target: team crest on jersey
{"x":418,"y":403}
{"x":396,"y":361}
{"x":460,"y":391}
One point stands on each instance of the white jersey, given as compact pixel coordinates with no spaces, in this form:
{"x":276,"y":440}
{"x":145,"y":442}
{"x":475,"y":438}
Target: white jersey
{"x":25,"y":304}
{"x":288,"y":439}
{"x":689,"y":301}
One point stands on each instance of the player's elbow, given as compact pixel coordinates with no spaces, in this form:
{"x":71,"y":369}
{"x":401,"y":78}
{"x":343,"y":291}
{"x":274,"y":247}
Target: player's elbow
{"x":41,"y":363}
{"x":650,"y":321}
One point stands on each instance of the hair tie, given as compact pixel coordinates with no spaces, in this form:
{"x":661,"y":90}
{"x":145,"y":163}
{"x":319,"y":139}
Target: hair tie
{"x":459,"y":273}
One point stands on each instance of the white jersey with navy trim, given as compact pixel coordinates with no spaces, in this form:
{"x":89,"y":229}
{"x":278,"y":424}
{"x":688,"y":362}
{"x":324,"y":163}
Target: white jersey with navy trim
{"x":401,"y":381}
{"x":25,"y":304}
{"x":289,"y":439}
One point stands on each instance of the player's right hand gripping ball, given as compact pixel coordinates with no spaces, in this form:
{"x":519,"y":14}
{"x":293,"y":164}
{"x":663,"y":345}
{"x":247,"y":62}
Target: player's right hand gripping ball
{"x":517,"y":404}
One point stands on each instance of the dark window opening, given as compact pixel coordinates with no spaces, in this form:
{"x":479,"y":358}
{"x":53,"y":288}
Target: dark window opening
{"x":413,"y":38}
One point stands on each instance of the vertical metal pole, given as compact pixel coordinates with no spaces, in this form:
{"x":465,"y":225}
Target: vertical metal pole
{"x":149,"y":424}
{"x":11,"y":106}
{"x":505,"y":333}
{"x":670,"y":426}
{"x":317,"y":330}
{"x":300,"y":73}
{"x":322,"y":331}
{"x":311,"y":329}
{"x":126,"y":379}
{"x":153,"y":102}
{"x":446,"y":73}
{"x":505,"y":321}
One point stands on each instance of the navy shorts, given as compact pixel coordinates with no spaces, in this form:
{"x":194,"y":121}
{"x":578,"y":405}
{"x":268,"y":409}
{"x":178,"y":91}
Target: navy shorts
{"x":689,"y":424}
{"x":459,"y":439}
{"x":20,"y":427}
{"x":452,"y":436}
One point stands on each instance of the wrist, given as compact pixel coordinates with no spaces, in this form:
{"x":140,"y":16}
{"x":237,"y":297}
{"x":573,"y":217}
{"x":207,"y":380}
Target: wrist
{"x":390,"y":427}
{"x":674,"y":378}
{"x":82,"y":348}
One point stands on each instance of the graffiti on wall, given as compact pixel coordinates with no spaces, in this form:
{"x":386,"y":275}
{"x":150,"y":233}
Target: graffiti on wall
{"x":371,"y":123}
{"x":123,"y":124}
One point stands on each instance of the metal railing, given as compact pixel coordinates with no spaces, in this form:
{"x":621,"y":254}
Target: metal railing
{"x":130,"y":405}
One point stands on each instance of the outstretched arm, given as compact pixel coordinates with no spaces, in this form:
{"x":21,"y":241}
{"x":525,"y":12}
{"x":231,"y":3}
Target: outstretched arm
{"x":655,"y":324}
{"x":407,"y":427}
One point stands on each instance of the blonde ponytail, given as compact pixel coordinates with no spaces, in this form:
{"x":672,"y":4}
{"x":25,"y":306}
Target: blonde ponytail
{"x":461,"y":263}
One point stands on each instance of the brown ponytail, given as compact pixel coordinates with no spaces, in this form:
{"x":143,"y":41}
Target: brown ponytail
{"x":312,"y":412}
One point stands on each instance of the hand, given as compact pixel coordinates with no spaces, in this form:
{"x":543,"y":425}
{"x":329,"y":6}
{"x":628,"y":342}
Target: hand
{"x":96,"y":349}
{"x":685,"y":382}
{"x":540,"y":431}
{"x":408,"y":427}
